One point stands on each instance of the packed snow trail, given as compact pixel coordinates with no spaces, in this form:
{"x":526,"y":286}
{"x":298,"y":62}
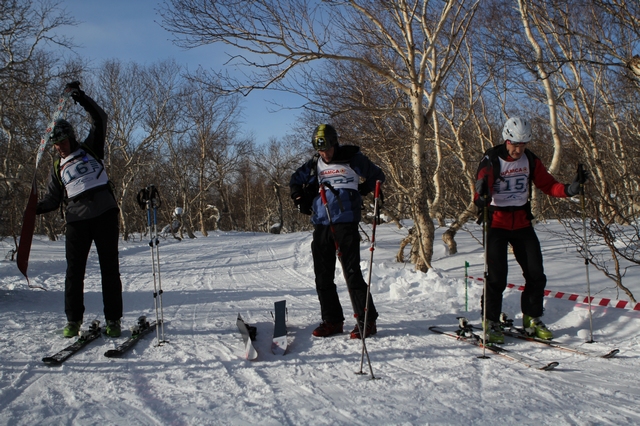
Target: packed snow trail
{"x":200,"y":376}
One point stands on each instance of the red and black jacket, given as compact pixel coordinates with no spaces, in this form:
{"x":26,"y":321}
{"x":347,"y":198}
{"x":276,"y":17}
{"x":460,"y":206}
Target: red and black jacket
{"x":515,"y":217}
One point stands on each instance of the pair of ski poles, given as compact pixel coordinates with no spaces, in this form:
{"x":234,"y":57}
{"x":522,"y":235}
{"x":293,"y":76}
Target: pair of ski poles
{"x":149,"y":200}
{"x":323,"y":196}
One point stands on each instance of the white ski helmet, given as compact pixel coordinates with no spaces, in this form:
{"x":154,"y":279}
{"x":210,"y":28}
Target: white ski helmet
{"x":517,"y":130}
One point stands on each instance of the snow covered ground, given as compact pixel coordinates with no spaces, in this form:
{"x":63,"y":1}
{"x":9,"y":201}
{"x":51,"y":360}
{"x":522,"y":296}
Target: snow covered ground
{"x":200,"y":377}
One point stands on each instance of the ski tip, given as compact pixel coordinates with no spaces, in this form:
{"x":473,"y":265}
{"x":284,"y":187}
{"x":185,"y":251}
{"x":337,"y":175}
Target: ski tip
{"x":279,"y":347}
{"x":277,"y":350}
{"x":611,"y":354}
{"x":550,"y":366}
{"x":250,"y":353}
{"x":51,"y":361}
{"x":112,"y":353}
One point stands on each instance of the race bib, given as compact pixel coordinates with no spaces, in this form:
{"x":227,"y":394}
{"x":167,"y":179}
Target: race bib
{"x":337,"y":175}
{"x":512,"y":188}
{"x":80,"y":172}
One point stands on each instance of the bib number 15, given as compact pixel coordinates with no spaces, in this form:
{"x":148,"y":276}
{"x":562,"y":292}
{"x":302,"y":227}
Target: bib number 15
{"x":515,"y":184}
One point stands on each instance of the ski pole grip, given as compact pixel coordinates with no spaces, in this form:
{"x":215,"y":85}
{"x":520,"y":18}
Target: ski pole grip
{"x":323,"y":195}
{"x":377,"y":191}
{"x":581,"y":173}
{"x":141,"y":198}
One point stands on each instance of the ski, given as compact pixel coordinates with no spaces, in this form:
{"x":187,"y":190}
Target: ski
{"x":248,"y":334}
{"x":279,"y":344}
{"x":519,"y":333}
{"x":138,"y":331}
{"x":29,"y":217}
{"x":85,"y":337}
{"x":476,"y":340}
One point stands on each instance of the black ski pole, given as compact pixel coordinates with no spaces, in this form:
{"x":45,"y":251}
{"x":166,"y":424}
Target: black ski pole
{"x":485,"y":220}
{"x":323,"y":196}
{"x":156,"y":204}
{"x":585,"y":248}
{"x":376,"y":218}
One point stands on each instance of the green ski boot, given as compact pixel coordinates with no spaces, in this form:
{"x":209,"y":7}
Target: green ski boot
{"x":113,"y":328}
{"x":533,"y":326}
{"x":72,"y":329}
{"x":493,"y":332}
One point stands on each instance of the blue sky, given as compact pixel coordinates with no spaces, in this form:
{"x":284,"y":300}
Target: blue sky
{"x":130,"y":31}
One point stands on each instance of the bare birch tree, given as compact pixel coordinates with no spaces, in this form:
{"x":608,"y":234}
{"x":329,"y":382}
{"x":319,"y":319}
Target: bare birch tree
{"x":277,"y":160}
{"x":30,"y":82}
{"x":412,"y":45}
{"x":140,"y":103}
{"x":212,"y":122}
{"x":465,"y":114}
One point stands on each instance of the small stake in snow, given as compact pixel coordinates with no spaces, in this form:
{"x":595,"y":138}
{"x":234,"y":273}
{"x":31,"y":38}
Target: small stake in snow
{"x":466,"y":286}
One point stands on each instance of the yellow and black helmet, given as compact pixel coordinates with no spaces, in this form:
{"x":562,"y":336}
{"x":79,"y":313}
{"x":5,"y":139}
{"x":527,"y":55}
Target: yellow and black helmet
{"x":324,"y":137}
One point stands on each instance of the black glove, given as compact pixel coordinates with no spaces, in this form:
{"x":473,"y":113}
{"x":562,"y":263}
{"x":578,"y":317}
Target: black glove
{"x":73,"y":89}
{"x":482,"y":202}
{"x":303,"y":206}
{"x":302,"y":203}
{"x":482,"y":187}
{"x":581,"y":178}
{"x":363,"y":190}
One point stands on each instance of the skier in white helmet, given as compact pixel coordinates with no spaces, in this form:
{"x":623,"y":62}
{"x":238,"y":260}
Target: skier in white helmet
{"x":504,"y":179}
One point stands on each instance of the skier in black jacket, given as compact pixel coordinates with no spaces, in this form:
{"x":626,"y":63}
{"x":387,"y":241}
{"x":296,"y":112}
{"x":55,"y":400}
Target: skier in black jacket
{"x":79,"y":180}
{"x":339,"y":168}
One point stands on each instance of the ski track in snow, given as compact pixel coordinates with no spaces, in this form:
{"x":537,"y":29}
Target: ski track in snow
{"x":199,"y":375}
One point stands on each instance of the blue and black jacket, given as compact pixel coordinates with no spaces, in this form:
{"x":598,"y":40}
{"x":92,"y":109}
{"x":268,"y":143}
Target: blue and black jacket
{"x":345,"y":205}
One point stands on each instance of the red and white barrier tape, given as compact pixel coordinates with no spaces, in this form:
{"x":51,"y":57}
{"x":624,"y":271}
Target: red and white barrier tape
{"x":622,"y":304}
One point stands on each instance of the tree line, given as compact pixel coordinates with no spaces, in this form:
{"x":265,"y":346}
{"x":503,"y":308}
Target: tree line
{"x":423,"y":87}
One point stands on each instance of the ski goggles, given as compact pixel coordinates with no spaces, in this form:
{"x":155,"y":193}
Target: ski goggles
{"x":321,"y":144}
{"x":58,"y":138}
{"x":516,"y":143}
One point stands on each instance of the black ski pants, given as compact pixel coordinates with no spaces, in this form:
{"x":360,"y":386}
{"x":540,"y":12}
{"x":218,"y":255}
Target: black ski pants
{"x":526,"y":249}
{"x":103,"y":231}
{"x":323,"y":250}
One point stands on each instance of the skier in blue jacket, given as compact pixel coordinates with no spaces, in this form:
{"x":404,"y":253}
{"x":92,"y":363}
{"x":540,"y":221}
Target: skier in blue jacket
{"x":339,"y":169}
